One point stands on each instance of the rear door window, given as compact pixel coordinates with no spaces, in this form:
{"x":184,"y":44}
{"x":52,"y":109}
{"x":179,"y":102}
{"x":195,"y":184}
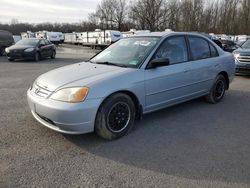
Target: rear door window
{"x":214,"y":52}
{"x":199,"y":48}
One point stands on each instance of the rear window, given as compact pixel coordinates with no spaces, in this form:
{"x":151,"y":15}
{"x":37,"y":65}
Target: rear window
{"x":214,"y":52}
{"x":199,"y":48}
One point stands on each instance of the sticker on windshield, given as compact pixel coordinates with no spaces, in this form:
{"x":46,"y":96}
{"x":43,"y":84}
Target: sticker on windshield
{"x":133,"y":62}
{"x":142,"y":43}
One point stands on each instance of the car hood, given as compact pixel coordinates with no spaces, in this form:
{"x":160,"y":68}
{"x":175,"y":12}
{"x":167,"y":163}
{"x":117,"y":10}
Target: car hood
{"x":243,"y":51}
{"x":80,"y":74}
{"x":20,"y":47}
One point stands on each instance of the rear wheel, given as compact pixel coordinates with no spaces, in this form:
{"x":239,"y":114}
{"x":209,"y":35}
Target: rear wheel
{"x":115,"y":117}
{"x":217,"y":91}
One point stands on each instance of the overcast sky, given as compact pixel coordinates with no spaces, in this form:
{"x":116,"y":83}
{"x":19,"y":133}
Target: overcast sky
{"x":37,"y":11}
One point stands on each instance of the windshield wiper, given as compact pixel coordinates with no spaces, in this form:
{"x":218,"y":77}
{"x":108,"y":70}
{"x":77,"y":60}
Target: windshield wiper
{"x":91,"y":61}
{"x":110,"y":63}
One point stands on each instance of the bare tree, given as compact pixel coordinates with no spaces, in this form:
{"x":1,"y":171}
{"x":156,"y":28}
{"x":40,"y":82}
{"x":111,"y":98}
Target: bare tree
{"x":217,"y":16}
{"x":150,"y":14}
{"x":120,"y":14}
{"x":245,"y":15}
{"x":112,"y":13}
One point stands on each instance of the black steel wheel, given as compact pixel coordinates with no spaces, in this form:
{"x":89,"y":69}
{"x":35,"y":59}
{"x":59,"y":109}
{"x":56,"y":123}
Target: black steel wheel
{"x":115,"y":116}
{"x":118,"y":117}
{"x":218,"y":90}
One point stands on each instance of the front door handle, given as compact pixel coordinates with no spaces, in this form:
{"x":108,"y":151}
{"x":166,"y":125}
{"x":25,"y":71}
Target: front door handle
{"x":186,"y":70}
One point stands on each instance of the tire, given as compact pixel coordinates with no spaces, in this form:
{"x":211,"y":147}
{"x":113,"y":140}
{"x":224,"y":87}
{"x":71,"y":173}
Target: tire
{"x":53,"y":55}
{"x":217,"y":92}
{"x":115,"y":117}
{"x":2,"y":51}
{"x":37,"y":57}
{"x":10,"y":59}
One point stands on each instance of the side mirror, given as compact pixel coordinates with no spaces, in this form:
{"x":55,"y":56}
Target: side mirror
{"x":161,"y":62}
{"x":41,"y":45}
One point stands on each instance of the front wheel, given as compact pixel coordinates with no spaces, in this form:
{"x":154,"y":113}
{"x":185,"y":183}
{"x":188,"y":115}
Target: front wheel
{"x":115,"y":117}
{"x":217,"y":91}
{"x":37,"y":57}
{"x":2,"y":51}
{"x":53,"y":55}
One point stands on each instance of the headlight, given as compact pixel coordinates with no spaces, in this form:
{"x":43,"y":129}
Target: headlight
{"x":72,"y":95}
{"x":7,"y":50}
{"x":29,"y":49}
{"x":236,"y":55}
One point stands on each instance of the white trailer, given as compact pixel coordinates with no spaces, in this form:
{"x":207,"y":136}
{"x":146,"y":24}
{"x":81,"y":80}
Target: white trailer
{"x":133,"y":32}
{"x":41,"y":34}
{"x":28,"y":34}
{"x":70,"y":38}
{"x":53,"y":37}
{"x":97,"y":38}
{"x":240,"y":39}
{"x":61,"y":36}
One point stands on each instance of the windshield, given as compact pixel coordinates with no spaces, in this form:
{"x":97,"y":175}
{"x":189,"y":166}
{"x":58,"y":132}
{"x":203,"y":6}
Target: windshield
{"x":31,"y":42}
{"x":127,"y":52}
{"x":246,"y":45}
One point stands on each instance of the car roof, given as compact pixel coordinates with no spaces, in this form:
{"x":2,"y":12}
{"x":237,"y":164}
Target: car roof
{"x":31,"y":39}
{"x":171,"y":33}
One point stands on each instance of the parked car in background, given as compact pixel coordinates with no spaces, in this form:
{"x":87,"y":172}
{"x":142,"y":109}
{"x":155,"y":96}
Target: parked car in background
{"x":32,"y":48}
{"x":242,"y":58}
{"x":134,"y":76}
{"x":228,"y":45}
{"x":218,"y":42}
{"x":98,"y":38}
{"x":6,"y":40}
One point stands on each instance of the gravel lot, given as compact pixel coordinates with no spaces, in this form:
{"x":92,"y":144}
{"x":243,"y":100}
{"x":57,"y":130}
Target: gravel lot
{"x":194,"y":144}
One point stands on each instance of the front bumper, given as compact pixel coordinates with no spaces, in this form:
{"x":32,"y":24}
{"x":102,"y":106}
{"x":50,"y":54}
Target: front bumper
{"x":68,"y":118}
{"x":242,"y":68}
{"x":21,"y":55}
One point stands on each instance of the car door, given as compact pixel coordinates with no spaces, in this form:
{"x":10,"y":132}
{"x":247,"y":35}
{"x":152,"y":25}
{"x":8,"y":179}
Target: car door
{"x":49,"y":48}
{"x":43,"y":48}
{"x":204,"y":62}
{"x":169,"y":85}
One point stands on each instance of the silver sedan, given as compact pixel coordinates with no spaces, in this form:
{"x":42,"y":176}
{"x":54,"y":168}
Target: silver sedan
{"x":132,"y":77}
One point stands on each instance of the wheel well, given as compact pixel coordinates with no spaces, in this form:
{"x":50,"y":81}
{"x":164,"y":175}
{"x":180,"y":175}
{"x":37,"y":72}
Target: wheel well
{"x":134,"y":98}
{"x":223,"y":73}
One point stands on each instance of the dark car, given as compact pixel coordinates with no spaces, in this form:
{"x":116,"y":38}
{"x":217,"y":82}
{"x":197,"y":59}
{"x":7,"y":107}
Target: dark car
{"x":6,"y":40}
{"x":31,"y":49}
{"x":218,"y":42}
{"x":228,"y":45}
{"x":242,"y":58}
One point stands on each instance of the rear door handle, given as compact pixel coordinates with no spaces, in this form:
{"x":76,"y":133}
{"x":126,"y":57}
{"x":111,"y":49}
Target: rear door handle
{"x":186,"y":70}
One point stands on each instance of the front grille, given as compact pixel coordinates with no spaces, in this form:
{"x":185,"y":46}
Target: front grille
{"x":16,"y":53}
{"x":244,"y":59}
{"x":40,"y":91}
